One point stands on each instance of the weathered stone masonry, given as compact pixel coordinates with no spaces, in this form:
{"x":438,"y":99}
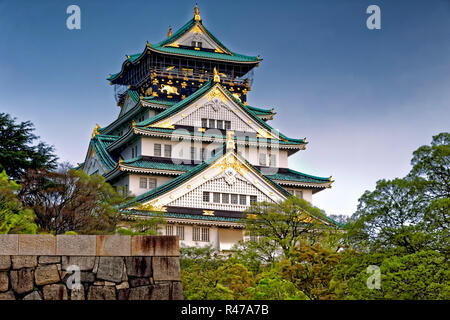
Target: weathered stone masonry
{"x":35,"y":267}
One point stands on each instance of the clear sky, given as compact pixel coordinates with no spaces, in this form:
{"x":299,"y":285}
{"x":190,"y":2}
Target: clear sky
{"x":365,"y":99}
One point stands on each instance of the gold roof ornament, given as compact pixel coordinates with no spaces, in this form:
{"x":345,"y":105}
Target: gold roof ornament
{"x":230,"y":140}
{"x":95,"y":132}
{"x":133,"y":123}
{"x":120,"y":160}
{"x":216,"y":75}
{"x":196,"y":13}
{"x":169,"y":34}
{"x":148,"y":44}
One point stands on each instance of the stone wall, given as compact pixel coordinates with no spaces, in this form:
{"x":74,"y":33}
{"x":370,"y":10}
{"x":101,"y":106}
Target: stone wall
{"x":40,"y":267}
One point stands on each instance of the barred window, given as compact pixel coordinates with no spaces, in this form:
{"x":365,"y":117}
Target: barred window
{"x":262,"y":159}
{"x":225,"y":198}
{"x":216,"y":197}
{"x":253,"y":199}
{"x":195,"y":234}
{"x":273,"y":160}
{"x":220,"y":124}
{"x":228,"y":125}
{"x":204,"y":123}
{"x":299,"y":193}
{"x":234,"y":198}
{"x":151,"y":183}
{"x":169,"y":230}
{"x":205,"y":196}
{"x":143,"y":183}
{"x":212,"y":123}
{"x":205,"y":234}
{"x":180,"y":232}
{"x":242,"y":199}
{"x":167,"y":151}
{"x":157,"y":150}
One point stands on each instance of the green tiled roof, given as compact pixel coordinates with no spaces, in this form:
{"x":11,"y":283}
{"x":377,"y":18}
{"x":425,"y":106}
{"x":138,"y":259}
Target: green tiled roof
{"x":160,"y":47}
{"x":157,"y":100}
{"x":259,"y":111}
{"x":141,"y":162}
{"x":184,"y":216}
{"x":100,"y":142}
{"x":293,"y":175}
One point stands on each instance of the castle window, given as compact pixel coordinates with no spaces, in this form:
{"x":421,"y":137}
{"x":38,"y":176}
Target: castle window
{"x":262,"y":159}
{"x":180,"y":232}
{"x":157,"y":150}
{"x":143,"y":183}
{"x":212,"y":123}
{"x":216,"y":197}
{"x":220,"y":124}
{"x":205,"y":234}
{"x":225,"y":198}
{"x":227,"y":125}
{"x":205,"y":196}
{"x":169,"y":230}
{"x":234,"y":198}
{"x":195,"y":234}
{"x":242,"y":199}
{"x":273,"y":160}
{"x":167,"y":150}
{"x":151,"y":183}
{"x":253,"y":199}
{"x":204,"y":123}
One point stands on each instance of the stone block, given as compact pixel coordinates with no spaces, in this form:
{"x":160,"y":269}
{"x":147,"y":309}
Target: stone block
{"x":37,"y":244}
{"x":5,"y":262}
{"x":19,"y":262}
{"x":115,"y":245}
{"x":84,"y":263}
{"x":123,"y":294}
{"x":140,"y":293}
{"x":155,"y":246}
{"x":139,"y":282}
{"x":110,"y":269}
{"x":166,"y":268}
{"x":160,"y":291}
{"x":7,"y":296}
{"x":55,"y":292}
{"x":102,"y":293}
{"x":77,"y":293}
{"x":73,"y":245}
{"x":33,"y":296}
{"x":9,"y":244}
{"x":4,"y":281}
{"x":123,"y":285}
{"x":22,"y":280}
{"x":49,"y":259}
{"x":177,"y":291}
{"x":139,"y":266}
{"x":87,"y":277}
{"x":46,"y":274}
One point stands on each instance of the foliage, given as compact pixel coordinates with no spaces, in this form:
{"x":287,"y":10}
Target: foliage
{"x":17,"y":152}
{"x":424,"y":274}
{"x":285,"y":223}
{"x":141,"y":225}
{"x":411,"y":213}
{"x":311,"y":270}
{"x":13,"y":217}
{"x":70,"y":200}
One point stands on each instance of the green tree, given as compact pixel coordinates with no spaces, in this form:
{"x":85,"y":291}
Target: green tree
{"x":287,"y":222}
{"x":70,"y":200}
{"x":18,"y":153}
{"x":13,"y":217}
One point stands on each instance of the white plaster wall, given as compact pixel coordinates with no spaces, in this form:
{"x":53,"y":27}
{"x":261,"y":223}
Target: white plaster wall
{"x":135,"y":178}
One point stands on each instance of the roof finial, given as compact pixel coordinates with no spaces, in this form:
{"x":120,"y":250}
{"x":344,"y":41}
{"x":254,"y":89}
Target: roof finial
{"x":216,"y":75}
{"x":196,"y":13}
{"x":169,"y":34}
{"x":95,"y":132}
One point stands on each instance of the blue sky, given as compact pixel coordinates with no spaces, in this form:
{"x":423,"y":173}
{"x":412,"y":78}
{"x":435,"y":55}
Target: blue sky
{"x":365,"y":99}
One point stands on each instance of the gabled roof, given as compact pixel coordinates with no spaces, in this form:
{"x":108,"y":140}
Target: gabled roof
{"x":99,"y":143}
{"x":286,"y":174}
{"x":204,"y":90}
{"x":172,"y":184}
{"x":163,"y":47}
